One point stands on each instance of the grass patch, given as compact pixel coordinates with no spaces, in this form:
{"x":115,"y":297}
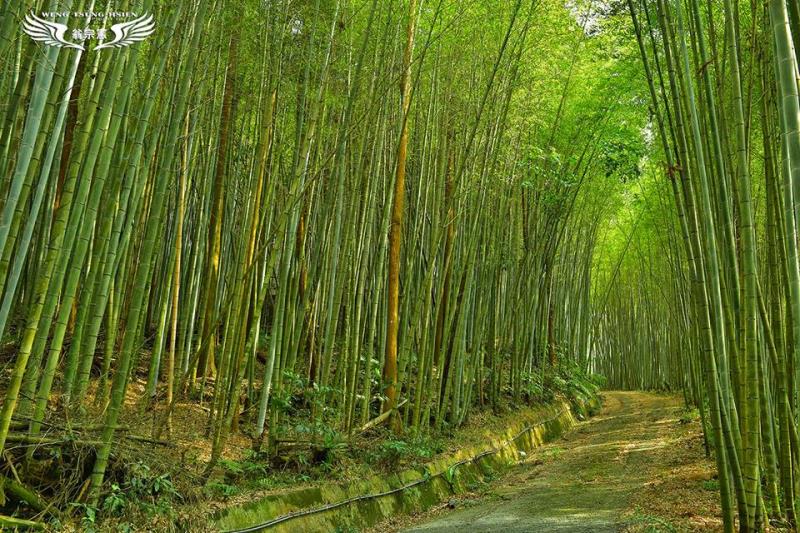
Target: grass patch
{"x":552,"y":453}
{"x":689,"y":415}
{"x":651,"y":523}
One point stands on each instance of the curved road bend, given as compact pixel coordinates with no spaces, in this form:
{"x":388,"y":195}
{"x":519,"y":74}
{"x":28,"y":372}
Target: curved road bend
{"x":586,"y":482}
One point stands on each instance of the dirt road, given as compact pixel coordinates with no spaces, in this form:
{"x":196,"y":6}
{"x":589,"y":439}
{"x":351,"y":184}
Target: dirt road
{"x":638,"y":465}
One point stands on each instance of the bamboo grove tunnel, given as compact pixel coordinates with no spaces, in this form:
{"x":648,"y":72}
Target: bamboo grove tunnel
{"x":257,"y":246}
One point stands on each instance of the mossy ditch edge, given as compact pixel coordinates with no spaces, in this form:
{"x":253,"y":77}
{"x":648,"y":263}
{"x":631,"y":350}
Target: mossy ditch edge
{"x":356,"y":505}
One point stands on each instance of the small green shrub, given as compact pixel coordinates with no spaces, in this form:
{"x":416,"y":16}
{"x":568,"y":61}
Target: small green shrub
{"x":250,"y":467}
{"x":689,"y":415}
{"x":88,"y":516}
{"x":392,"y":451}
{"x":115,"y":502}
{"x":222,"y":490}
{"x":143,"y":491}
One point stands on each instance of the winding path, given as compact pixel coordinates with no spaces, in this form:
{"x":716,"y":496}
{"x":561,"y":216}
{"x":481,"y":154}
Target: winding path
{"x":583,"y":482}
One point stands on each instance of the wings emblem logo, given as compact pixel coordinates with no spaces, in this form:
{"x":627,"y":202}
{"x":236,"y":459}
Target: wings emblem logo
{"x":54,"y":33}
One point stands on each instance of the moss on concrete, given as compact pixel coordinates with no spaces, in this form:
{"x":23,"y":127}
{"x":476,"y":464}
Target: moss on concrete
{"x":442,"y":478}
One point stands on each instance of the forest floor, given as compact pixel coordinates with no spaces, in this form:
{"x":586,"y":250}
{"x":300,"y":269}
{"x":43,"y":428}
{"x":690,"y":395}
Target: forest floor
{"x":639,"y":465}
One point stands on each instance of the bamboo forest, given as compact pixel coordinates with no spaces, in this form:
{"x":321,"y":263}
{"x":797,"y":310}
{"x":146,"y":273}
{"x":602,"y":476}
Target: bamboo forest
{"x":399,"y":265}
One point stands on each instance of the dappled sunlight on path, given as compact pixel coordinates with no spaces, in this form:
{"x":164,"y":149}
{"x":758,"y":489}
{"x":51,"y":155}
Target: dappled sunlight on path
{"x":589,"y":479}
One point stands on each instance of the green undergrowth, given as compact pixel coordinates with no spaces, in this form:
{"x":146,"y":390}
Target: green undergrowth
{"x":146,"y":498}
{"x":688,"y":415}
{"x":380,"y":451}
{"x":651,"y":524}
{"x":567,"y":380}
